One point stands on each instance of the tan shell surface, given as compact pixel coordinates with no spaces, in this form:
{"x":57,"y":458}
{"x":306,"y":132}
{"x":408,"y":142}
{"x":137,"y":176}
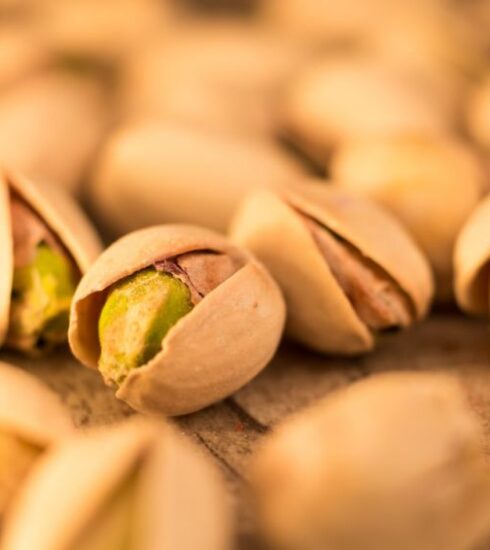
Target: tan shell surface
{"x":471,"y":262}
{"x":338,"y":99}
{"x":212,"y":351}
{"x":50,"y":127}
{"x":219,"y":74}
{"x":6,"y":260}
{"x":478,"y":113}
{"x":386,"y":447}
{"x":318,"y":312}
{"x":375,"y":233}
{"x":431,"y":185}
{"x":165,"y":173}
{"x":29,"y":409}
{"x":63,"y":216}
{"x":76,"y":479}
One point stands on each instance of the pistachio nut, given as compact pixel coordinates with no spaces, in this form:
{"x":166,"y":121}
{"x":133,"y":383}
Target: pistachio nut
{"x":471,"y":261}
{"x":31,"y":420}
{"x":343,"y":98}
{"x":166,"y":173}
{"x":176,"y":318}
{"x":346,"y":267}
{"x":135,"y":486}
{"x":393,"y":461}
{"x":50,"y":127}
{"x":46,"y":244}
{"x":220,"y":74}
{"x":430,"y":183}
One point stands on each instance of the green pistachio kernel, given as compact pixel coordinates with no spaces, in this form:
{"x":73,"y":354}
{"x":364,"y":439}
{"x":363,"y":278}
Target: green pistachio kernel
{"x":113,"y":527}
{"x":41,"y":296}
{"x":138,"y":313}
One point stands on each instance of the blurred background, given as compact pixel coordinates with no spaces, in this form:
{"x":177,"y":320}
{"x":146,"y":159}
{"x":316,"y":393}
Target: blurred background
{"x":167,"y":111}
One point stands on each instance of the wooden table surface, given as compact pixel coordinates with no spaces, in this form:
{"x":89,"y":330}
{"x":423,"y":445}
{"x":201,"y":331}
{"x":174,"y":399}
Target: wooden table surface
{"x":230,"y":430}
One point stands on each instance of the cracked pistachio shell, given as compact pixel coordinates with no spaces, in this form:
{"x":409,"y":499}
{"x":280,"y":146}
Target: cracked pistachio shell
{"x":394,"y":461}
{"x":166,"y":173}
{"x":319,"y":313}
{"x":60,"y":213}
{"x":216,"y":348}
{"x":430,"y":184}
{"x":340,"y":99}
{"x":471,"y":261}
{"x":178,"y":500}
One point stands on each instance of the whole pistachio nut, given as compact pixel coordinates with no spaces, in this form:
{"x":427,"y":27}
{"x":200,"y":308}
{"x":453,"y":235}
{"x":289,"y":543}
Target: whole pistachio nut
{"x":51,"y":125}
{"x":220,"y":74}
{"x":347,"y":97}
{"x":394,"y":461}
{"x":471,"y":261}
{"x":176,"y":318}
{"x":430,"y":183}
{"x":136,"y":486}
{"x":169,"y":173}
{"x":346,"y":267}
{"x":46,"y":244}
{"x":31,"y":420}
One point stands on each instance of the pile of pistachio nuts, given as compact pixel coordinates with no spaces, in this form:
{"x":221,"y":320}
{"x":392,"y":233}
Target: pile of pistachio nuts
{"x":183,"y":185}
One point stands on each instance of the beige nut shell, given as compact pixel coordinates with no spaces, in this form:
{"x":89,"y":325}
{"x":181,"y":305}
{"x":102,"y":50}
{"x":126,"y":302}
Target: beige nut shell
{"x":167,"y":173}
{"x":471,"y":261}
{"x":60,"y":213}
{"x":319,"y":313}
{"x":339,"y":99}
{"x":430,"y":184}
{"x":212,"y":351}
{"x":29,"y":409}
{"x":180,"y":502}
{"x":393,"y":461}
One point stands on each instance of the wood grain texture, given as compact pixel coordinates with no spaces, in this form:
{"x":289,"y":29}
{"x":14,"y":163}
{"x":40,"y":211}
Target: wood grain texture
{"x":229,"y":431}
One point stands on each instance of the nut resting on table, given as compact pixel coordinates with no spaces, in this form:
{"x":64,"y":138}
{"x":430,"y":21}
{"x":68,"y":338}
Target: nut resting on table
{"x":138,"y":486}
{"x":349,"y":270}
{"x":394,"y":461}
{"x":176,"y":317}
{"x":45,"y":245}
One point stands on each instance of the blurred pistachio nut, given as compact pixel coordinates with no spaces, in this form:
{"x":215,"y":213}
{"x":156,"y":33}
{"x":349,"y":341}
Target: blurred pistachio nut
{"x":138,"y":486}
{"x":46,"y":244}
{"x":471,"y":261}
{"x":177,"y":317}
{"x":478,"y":113}
{"x":394,"y":461}
{"x":343,"y":98}
{"x":31,"y":419}
{"x":346,"y":267}
{"x":166,"y":173}
{"x":430,"y":183}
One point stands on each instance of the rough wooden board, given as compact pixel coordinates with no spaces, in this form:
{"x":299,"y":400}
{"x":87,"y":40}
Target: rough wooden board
{"x":230,"y":430}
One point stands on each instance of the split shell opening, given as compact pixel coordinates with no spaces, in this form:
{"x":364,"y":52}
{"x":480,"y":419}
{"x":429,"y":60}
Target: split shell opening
{"x":216,"y":346}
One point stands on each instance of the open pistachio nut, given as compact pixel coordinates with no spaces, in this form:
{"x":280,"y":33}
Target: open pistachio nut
{"x":394,"y":461}
{"x":170,"y":173}
{"x":31,"y":419}
{"x":176,"y":317}
{"x":346,"y":267}
{"x":430,"y":183}
{"x":135,"y":486}
{"x":472,"y":261}
{"x":46,"y":243}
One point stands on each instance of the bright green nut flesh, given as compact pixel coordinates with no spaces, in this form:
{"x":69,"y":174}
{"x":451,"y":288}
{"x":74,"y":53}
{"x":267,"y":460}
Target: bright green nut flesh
{"x":138,"y":313}
{"x":41,"y":298}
